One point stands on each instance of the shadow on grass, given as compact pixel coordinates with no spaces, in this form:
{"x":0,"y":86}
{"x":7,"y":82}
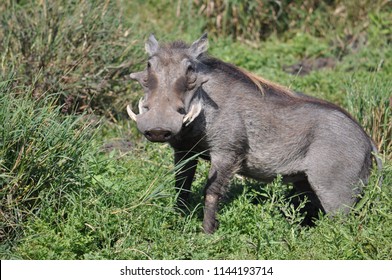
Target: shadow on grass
{"x":288,"y":201}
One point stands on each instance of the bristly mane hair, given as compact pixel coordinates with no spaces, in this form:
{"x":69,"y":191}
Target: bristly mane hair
{"x":261,"y":84}
{"x":172,"y":46}
{"x":267,"y":87}
{"x":178,"y":45}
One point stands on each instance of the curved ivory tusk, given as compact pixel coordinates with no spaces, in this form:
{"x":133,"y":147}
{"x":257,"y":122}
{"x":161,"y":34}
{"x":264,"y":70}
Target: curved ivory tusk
{"x":131,"y":113}
{"x":140,"y":105}
{"x":192,"y":114}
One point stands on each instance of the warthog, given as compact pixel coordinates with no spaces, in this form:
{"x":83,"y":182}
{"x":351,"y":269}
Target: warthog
{"x":247,"y":125}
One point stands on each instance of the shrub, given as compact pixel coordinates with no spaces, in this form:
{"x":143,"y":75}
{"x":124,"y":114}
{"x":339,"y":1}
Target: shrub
{"x":257,"y":19}
{"x":41,"y":154}
{"x":82,"y":49}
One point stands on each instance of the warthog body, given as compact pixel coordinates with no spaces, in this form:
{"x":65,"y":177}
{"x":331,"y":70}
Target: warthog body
{"x":246,"y":125}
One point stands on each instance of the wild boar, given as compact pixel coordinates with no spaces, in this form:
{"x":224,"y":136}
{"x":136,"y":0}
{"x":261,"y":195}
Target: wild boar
{"x":247,"y":125}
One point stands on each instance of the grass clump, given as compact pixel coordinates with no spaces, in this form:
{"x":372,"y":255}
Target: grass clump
{"x":373,"y":111}
{"x":41,"y":155}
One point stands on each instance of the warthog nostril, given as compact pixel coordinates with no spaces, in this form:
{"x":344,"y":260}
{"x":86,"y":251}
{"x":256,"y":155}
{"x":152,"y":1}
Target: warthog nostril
{"x":158,"y":135}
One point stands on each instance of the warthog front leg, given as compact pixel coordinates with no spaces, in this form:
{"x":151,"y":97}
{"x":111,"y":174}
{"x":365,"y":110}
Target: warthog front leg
{"x":223,"y":168}
{"x":211,"y":202}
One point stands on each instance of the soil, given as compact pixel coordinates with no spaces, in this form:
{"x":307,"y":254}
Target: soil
{"x":304,"y":67}
{"x":121,"y":145}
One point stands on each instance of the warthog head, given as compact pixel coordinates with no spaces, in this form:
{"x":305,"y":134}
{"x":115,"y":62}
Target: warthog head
{"x":170,"y":81}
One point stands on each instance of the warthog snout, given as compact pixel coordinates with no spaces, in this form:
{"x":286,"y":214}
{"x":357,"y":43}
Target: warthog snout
{"x":157,"y":126}
{"x":158,"y":134}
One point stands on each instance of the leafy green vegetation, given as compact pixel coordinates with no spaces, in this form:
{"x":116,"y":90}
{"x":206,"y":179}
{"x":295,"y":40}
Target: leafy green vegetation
{"x":40,"y":156}
{"x":77,"y":181}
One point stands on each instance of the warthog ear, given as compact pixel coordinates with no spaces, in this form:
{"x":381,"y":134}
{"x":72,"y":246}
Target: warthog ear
{"x":200,"y":46}
{"x":152,"y":45}
{"x":139,"y":76}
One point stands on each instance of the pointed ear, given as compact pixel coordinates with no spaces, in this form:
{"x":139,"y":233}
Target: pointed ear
{"x":152,"y":45}
{"x":138,"y":76}
{"x":200,"y":46}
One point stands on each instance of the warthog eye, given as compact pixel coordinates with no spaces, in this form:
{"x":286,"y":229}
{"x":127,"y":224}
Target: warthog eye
{"x":190,"y":70}
{"x":144,"y":82}
{"x":181,"y":110}
{"x":190,"y":73}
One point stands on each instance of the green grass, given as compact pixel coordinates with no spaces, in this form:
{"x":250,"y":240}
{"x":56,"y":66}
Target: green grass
{"x":65,"y":195}
{"x":41,"y":154}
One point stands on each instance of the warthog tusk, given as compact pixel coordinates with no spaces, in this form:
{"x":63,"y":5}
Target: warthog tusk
{"x":131,"y":113}
{"x":192,"y":114}
{"x":140,"y":105}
